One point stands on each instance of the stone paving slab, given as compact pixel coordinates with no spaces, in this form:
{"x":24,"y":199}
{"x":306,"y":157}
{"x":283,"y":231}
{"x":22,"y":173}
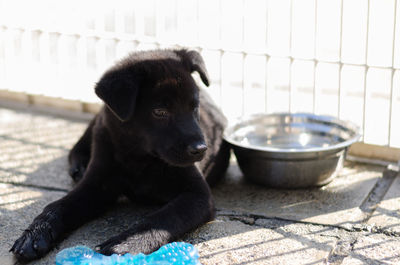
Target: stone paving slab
{"x":254,"y":225}
{"x":34,"y":148}
{"x":233,"y":242}
{"x":18,"y":207}
{"x":387,"y":214}
{"x":374,"y":249}
{"x":227,"y":240}
{"x":219,"y":242}
{"x":335,"y":204}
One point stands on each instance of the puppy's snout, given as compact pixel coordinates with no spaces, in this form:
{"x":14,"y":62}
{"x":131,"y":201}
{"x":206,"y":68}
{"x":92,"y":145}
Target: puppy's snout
{"x":197,"y":149}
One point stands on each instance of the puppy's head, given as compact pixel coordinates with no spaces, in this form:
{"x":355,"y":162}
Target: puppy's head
{"x":156,"y":101}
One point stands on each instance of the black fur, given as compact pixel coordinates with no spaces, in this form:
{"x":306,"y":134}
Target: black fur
{"x":147,"y":143}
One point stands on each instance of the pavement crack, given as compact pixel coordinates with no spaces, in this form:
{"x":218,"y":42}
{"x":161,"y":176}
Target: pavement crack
{"x":377,"y":193}
{"x":275,"y":222}
{"x":374,"y":230}
{"x":34,"y":186}
{"x":243,"y":219}
{"x":342,"y":249}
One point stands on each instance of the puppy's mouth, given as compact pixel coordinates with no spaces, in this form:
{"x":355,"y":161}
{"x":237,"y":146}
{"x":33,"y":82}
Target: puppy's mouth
{"x":177,"y":158}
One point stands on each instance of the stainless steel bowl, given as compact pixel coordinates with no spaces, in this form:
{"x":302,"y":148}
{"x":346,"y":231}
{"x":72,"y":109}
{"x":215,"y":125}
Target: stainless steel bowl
{"x":291,"y":150}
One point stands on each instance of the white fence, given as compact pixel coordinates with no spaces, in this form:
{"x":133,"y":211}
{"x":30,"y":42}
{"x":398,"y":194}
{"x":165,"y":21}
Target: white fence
{"x":335,"y":57}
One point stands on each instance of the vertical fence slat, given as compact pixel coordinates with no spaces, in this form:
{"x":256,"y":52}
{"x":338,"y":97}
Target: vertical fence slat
{"x":266,"y":56}
{"x":244,"y":58}
{"x":315,"y":52}
{"x":290,"y":54}
{"x":366,"y":69}
{"x":392,"y":75}
{"x":340,"y":60}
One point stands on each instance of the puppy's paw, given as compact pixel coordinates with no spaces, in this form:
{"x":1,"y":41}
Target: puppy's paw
{"x":34,"y":243}
{"x":143,"y":242}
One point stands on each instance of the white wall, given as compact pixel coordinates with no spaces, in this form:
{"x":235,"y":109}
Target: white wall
{"x":336,"y":57}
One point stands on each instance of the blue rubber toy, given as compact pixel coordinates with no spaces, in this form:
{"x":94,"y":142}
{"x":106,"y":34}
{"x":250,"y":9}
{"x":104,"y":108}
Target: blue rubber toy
{"x":171,"y":254}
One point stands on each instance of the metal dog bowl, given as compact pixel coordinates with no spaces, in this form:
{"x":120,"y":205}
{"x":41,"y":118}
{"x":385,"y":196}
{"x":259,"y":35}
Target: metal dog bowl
{"x":291,"y":150}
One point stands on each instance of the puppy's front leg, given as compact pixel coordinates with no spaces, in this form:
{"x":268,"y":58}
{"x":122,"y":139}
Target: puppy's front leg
{"x":89,"y":198}
{"x":190,"y":209}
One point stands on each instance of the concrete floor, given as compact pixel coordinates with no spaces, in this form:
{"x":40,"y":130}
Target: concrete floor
{"x":353,"y":220}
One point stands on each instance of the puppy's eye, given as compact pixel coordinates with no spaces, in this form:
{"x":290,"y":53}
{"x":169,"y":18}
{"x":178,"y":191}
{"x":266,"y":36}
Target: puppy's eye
{"x":160,"y":113}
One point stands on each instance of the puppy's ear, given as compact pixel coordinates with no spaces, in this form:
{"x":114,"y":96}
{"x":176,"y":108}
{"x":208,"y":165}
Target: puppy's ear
{"x":194,"y":62}
{"x":118,"y":90}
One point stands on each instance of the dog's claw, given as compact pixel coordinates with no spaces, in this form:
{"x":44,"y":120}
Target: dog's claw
{"x":34,"y":242}
{"x":110,"y":247}
{"x":19,"y":248}
{"x":104,"y":249}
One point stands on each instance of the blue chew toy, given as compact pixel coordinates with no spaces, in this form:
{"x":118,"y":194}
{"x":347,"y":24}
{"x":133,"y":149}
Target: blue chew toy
{"x":171,"y":254}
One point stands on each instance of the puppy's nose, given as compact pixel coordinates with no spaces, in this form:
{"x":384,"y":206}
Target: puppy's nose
{"x":197,"y":149}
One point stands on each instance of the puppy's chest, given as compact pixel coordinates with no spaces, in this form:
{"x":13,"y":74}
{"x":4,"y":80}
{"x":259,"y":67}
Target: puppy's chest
{"x":152,"y":183}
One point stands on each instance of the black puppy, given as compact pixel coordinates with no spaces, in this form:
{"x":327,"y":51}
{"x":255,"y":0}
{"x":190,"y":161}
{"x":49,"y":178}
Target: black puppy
{"x":143,"y":144}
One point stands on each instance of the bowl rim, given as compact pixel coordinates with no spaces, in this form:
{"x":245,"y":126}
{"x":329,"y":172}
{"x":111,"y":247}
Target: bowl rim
{"x":323,"y":118}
